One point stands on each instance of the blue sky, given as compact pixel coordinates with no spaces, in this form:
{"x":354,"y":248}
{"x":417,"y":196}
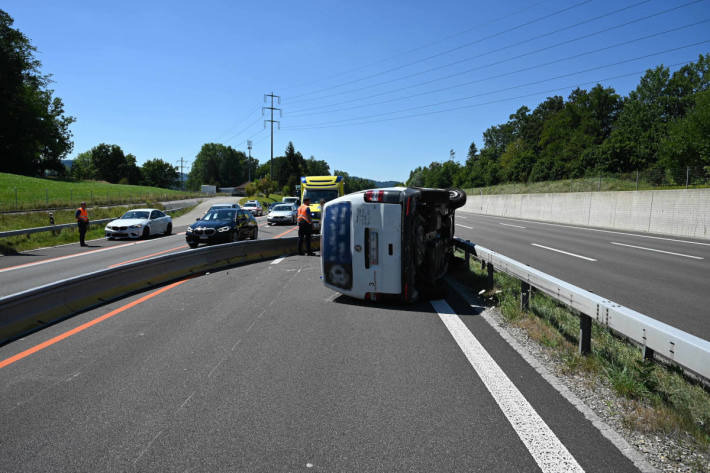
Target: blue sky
{"x":374,"y":88}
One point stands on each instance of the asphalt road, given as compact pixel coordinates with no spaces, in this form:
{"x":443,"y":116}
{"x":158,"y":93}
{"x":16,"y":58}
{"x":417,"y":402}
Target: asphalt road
{"x":261,"y":368}
{"x":662,"y":277}
{"x":35,"y":268}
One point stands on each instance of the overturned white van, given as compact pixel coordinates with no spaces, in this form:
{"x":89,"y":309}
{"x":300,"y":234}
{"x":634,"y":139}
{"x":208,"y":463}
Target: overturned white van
{"x":388,"y":243}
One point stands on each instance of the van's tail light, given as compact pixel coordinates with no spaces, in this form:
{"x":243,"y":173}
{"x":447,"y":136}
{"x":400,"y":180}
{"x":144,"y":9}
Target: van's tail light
{"x":387,"y":197}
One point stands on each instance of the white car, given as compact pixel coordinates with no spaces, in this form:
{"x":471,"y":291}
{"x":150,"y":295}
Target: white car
{"x":282,"y":213}
{"x":391,"y":243}
{"x":254,"y":207}
{"x":140,"y":223}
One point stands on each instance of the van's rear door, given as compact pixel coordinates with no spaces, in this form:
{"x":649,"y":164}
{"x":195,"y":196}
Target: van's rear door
{"x":378,"y":232}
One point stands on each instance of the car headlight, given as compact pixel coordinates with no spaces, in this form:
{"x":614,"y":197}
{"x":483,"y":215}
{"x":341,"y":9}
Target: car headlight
{"x":223,"y":229}
{"x":189,"y":230}
{"x":136,"y":226}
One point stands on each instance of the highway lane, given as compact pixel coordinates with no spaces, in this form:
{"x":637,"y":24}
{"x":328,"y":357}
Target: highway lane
{"x":663,"y":277}
{"x":35,"y":268}
{"x":261,"y":368}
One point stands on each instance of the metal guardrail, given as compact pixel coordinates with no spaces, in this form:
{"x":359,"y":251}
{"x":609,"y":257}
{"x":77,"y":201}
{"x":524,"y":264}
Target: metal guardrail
{"x":656,"y":338}
{"x":49,"y":228}
{"x":30,"y":310}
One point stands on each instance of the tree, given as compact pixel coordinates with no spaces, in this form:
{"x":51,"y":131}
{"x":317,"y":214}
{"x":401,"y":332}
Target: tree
{"x":316,"y":167}
{"x":158,"y":173}
{"x":83,"y":167}
{"x":109,"y":162}
{"x":34,"y":131}
{"x":218,"y":165}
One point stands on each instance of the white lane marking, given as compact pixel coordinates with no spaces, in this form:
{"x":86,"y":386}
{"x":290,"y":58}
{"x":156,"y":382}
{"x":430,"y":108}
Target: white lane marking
{"x":592,"y":229}
{"x":565,"y":252}
{"x":657,"y":251}
{"x":464,"y":226}
{"x":216,"y":366}
{"x":74,"y":255}
{"x":542,"y":443}
{"x":147,"y":447}
{"x":277,"y":260}
{"x":186,"y":400}
{"x":509,"y":225}
{"x":332,"y":297}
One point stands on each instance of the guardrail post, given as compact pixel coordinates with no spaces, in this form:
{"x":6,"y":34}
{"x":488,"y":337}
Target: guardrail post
{"x":585,"y":334}
{"x":489,"y":279}
{"x":648,"y":353}
{"x":524,"y":296}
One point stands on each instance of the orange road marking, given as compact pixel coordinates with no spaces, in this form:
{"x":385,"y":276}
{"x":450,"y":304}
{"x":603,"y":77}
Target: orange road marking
{"x":147,"y":256}
{"x":287,"y":231}
{"x":83,"y":327}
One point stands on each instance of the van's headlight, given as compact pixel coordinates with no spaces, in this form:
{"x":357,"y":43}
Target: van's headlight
{"x":223,"y":229}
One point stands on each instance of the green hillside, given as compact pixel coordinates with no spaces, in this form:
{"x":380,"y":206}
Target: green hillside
{"x":24,"y":193}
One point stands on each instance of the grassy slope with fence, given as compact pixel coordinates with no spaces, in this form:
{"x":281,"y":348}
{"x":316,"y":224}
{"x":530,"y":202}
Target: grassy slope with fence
{"x":29,"y":193}
{"x":645,"y":180}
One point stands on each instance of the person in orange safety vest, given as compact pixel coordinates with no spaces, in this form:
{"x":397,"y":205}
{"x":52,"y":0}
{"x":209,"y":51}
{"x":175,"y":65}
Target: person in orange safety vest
{"x":82,"y":220}
{"x":305,"y":227}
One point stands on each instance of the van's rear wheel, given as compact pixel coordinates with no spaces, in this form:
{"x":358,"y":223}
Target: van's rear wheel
{"x":457,"y":198}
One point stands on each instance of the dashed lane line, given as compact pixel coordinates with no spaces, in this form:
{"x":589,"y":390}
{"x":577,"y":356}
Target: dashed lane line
{"x":542,"y":443}
{"x":656,"y":251}
{"x":564,"y":252}
{"x":509,"y":225}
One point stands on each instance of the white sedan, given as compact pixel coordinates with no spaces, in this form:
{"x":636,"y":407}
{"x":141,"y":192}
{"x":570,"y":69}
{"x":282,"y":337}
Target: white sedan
{"x":140,"y":223}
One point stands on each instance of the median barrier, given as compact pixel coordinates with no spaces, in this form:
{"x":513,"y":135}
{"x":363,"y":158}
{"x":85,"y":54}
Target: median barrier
{"x":657,"y":339}
{"x":35,"y":308}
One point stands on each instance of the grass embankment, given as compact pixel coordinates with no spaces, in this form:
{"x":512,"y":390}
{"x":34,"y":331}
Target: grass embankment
{"x":659,"y":398}
{"x":14,"y":244}
{"x":590,"y":184}
{"x":26,"y":193}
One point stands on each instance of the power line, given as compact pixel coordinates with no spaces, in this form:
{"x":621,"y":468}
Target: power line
{"x":364,"y":120}
{"x":585,"y":36}
{"x":471,"y":58}
{"x":427,"y":45}
{"x":465,"y":45}
{"x":222,"y":135}
{"x":525,"y":69}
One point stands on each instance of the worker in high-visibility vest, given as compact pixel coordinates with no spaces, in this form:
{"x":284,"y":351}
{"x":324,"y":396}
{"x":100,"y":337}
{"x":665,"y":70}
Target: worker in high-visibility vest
{"x":82,"y":220}
{"x":305,"y":227}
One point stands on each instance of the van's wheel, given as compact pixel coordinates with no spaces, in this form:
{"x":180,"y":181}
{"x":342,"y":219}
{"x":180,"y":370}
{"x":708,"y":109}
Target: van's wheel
{"x":169,"y":230}
{"x":146,"y":233}
{"x":457,"y":198}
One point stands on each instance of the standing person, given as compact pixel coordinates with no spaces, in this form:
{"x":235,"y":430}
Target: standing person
{"x":82,"y":220}
{"x":305,"y":227}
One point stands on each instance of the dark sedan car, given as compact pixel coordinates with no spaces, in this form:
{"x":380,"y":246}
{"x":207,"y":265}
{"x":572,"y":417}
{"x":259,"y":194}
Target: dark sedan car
{"x":221,"y":226}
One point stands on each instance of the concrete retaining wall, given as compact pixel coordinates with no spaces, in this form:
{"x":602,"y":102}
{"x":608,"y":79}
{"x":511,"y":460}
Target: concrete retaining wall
{"x":684,"y":213}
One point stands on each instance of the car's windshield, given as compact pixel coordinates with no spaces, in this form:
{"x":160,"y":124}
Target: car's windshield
{"x":317,"y":194}
{"x":221,"y":214}
{"x":282,"y":208}
{"x":135,"y":214}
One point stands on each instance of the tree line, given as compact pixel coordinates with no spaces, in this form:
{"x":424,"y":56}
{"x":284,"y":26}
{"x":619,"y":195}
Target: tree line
{"x":223,"y":166}
{"x":662,"y":126}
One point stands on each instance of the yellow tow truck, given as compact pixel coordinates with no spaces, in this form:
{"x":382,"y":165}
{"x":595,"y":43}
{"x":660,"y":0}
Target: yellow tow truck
{"x":319,"y":189}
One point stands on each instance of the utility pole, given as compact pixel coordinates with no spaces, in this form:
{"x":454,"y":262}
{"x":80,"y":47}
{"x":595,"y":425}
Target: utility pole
{"x":249,"y":161}
{"x":182,"y":176}
{"x":271,"y":121}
